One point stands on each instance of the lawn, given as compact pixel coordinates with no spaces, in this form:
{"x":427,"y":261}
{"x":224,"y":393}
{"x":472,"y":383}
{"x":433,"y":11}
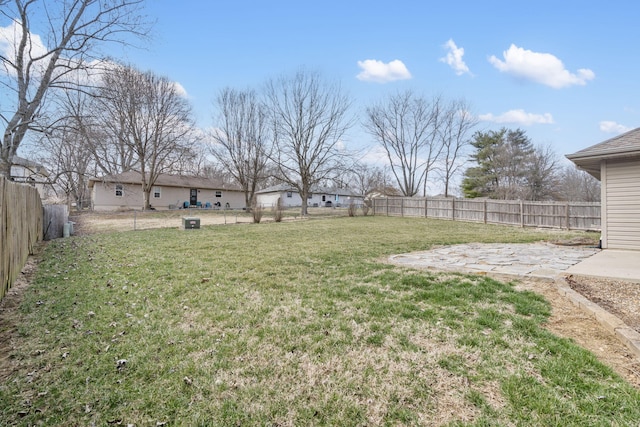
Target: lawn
{"x":294,"y":323}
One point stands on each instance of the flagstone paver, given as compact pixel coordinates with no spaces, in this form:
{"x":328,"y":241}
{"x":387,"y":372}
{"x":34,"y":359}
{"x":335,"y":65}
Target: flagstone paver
{"x":539,"y":260}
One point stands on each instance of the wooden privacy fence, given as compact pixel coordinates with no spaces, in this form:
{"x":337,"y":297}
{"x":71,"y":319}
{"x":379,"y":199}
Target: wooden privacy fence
{"x":20,"y":228}
{"x":572,"y":215}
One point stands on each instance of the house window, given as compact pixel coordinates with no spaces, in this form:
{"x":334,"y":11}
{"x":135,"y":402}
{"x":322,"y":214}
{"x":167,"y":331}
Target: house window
{"x":289,"y":194}
{"x":156,"y":192}
{"x":119,"y":190}
{"x":218,"y":193}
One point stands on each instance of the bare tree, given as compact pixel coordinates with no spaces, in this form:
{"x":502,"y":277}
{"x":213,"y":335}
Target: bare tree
{"x":66,"y":147}
{"x":309,"y":118}
{"x":542,"y":180}
{"x":578,"y":186}
{"x":241,"y":141}
{"x":406,"y":125}
{"x":74,"y":29}
{"x":153,"y":121}
{"x":366,"y":179}
{"x":454,"y":130}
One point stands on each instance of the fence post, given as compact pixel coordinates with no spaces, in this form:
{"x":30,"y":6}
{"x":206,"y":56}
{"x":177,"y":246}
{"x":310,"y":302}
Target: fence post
{"x":402,"y":207}
{"x":521,"y":214}
{"x":426,"y":207}
{"x":386,"y":207}
{"x":453,"y":209}
{"x":567,"y":216}
{"x":485,"y":210}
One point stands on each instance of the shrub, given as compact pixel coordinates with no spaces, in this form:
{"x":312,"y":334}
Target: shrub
{"x":351,"y":210}
{"x":278,"y":211}
{"x":256,"y":211}
{"x":365,"y":208}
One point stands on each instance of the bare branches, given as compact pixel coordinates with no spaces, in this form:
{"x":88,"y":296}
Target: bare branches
{"x":34,"y":66}
{"x":406,"y":126}
{"x":241,"y":143}
{"x":310,"y":118}
{"x":148,"y":123}
{"x":454,"y":131}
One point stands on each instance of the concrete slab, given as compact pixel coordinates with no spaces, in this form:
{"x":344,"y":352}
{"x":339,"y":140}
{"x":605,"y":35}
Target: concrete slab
{"x":610,"y":263}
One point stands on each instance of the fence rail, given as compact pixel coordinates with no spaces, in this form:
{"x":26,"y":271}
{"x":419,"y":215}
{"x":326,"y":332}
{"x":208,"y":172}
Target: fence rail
{"x":20,"y":229}
{"x":568,"y":215}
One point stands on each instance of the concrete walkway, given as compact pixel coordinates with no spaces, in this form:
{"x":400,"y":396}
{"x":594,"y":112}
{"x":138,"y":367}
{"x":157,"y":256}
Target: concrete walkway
{"x":610,"y":263}
{"x":539,"y":260}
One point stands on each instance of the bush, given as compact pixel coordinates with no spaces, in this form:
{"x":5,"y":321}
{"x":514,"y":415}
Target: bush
{"x":256,"y":211}
{"x":351,"y":210}
{"x":278,"y":211}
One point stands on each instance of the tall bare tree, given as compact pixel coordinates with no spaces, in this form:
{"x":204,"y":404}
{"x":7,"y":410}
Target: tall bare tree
{"x":152,"y":120}
{"x":66,"y":147}
{"x":241,"y":140}
{"x":73,"y":30}
{"x":310,"y":116}
{"x":456,"y":123}
{"x":406,"y":125}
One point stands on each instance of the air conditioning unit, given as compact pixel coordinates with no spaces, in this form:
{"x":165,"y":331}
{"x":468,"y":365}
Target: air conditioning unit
{"x":190,"y":223}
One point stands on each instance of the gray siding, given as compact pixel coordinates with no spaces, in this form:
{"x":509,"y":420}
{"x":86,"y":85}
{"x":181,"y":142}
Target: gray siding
{"x":621,"y":204}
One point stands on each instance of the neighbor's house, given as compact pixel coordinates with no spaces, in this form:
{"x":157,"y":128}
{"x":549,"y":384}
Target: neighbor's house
{"x":616,"y":163}
{"x":124,"y":192}
{"x":319,"y":197}
{"x":32,"y":173}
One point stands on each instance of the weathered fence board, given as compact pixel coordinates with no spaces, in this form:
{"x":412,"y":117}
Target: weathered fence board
{"x":573,"y":215}
{"x":21,"y":215}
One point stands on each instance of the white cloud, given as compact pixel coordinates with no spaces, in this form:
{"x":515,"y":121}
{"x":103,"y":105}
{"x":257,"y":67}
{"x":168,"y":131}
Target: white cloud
{"x":379,"y":72}
{"x":454,"y":58}
{"x":613,"y":127}
{"x":10,"y":38}
{"x":520,"y":117}
{"x":542,"y":68}
{"x":180,"y":90}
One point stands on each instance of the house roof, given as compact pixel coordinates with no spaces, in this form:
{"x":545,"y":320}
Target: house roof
{"x":280,"y":188}
{"x":622,"y":146}
{"x":31,"y":165}
{"x":166,"y":180}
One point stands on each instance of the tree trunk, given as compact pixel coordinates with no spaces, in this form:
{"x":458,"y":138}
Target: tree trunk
{"x":5,"y":168}
{"x":304,"y":194}
{"x":147,"y":195}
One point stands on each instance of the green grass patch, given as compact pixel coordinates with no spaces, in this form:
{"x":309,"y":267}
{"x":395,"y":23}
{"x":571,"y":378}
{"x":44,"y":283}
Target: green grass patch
{"x":294,"y":323}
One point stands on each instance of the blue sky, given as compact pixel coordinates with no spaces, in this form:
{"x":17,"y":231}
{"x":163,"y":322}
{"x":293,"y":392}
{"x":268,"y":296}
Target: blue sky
{"x":564,"y":71}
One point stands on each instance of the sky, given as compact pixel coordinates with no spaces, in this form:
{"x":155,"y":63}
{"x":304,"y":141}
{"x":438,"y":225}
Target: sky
{"x":566,"y":72}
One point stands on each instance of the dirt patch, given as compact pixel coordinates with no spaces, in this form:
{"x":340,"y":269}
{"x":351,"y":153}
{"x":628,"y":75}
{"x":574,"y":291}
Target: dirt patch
{"x":9,"y":316}
{"x":618,"y":297}
{"x":569,"y":321}
{"x":99,"y":222}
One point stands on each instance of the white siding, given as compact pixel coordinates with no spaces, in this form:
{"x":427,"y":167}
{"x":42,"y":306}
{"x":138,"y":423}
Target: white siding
{"x":621,"y":207}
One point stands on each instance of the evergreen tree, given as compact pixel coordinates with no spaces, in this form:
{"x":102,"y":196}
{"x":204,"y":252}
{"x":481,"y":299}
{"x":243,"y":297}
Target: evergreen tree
{"x":504,"y":159}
